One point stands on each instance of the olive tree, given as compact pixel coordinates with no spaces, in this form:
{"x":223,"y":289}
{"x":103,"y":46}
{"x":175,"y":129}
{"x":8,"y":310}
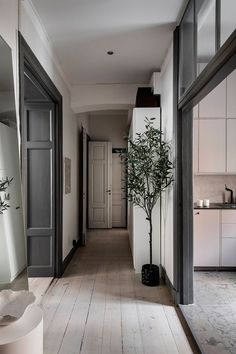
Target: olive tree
{"x":4,"y":184}
{"x":148,"y":170}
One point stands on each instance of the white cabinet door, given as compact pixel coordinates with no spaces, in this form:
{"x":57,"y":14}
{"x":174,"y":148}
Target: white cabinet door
{"x":212,"y":145}
{"x":214,"y":104}
{"x":207,"y":238}
{"x":229,"y":216}
{"x":195,"y":146}
{"x":229,"y":230}
{"x":231,"y":89}
{"x":228,"y":252}
{"x":195,"y":111}
{"x":231,"y":146}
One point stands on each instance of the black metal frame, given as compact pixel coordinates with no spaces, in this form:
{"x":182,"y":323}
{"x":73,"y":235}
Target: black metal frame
{"x":27,"y":60}
{"x":220,"y":66}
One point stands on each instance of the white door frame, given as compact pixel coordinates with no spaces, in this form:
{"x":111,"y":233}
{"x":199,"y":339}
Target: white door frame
{"x":119,"y":204}
{"x":100,"y":184}
{"x":84,"y":188}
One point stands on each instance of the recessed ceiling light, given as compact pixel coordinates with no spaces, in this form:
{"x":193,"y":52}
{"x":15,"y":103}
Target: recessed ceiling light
{"x":110,"y":52}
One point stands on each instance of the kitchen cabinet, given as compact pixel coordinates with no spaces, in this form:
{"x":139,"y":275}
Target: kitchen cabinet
{"x":228,"y":252}
{"x":212,"y":145}
{"x":214,"y":238}
{"x":228,"y":216}
{"x":231,"y":146}
{"x":228,"y":246}
{"x":231,"y":89}
{"x":207,"y":238}
{"x":195,"y":111}
{"x":216,"y":130}
{"x":214,"y":104}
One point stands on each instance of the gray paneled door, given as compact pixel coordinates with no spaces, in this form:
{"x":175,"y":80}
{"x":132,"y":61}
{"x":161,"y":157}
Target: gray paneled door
{"x":39,"y":167}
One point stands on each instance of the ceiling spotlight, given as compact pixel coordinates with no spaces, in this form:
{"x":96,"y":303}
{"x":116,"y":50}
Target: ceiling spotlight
{"x":110,"y":52}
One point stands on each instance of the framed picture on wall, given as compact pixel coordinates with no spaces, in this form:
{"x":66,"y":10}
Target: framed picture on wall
{"x":67,"y":175}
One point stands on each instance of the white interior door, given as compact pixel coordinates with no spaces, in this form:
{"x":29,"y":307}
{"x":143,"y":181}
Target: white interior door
{"x":85,"y":152}
{"x":118,"y":194}
{"x":100,"y":184}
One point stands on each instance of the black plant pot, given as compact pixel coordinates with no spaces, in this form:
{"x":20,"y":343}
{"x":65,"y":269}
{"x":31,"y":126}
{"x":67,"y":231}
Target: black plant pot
{"x":150,"y":275}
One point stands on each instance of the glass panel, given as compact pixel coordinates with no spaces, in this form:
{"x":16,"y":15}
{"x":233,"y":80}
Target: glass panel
{"x":187,"y":66}
{"x":39,"y":125}
{"x":206,"y":41}
{"x":39,"y":189}
{"x":228,"y":19}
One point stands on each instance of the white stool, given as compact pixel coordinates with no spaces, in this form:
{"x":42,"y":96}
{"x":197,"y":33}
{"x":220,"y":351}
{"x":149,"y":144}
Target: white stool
{"x":24,"y":336}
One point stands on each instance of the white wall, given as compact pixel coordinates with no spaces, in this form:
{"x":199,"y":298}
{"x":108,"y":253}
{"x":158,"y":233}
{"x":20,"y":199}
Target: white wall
{"x":138,"y":225}
{"x":88,"y":98}
{"x":109,"y":127}
{"x":7,"y":101}
{"x":167,"y":197}
{"x":12,"y":237}
{"x":37,"y":39}
{"x":8,"y":31}
{"x":83,"y":121}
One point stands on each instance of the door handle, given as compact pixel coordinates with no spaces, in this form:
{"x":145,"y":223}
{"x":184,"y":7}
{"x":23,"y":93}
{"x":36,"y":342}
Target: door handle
{"x":197,"y":213}
{"x":108,"y":191}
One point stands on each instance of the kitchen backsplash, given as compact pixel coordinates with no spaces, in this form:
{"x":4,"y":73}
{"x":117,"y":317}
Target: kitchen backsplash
{"x":213,"y":187}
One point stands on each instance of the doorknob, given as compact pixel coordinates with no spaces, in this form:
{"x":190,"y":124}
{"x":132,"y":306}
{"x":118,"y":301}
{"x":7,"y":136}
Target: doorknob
{"x":108,"y":191}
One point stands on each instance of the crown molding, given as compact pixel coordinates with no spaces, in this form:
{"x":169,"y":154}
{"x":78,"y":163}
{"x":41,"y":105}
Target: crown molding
{"x":39,"y":26}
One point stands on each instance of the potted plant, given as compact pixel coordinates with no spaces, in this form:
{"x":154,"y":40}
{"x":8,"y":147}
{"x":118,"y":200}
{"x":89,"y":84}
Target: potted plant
{"x":4,"y":184}
{"x":148,"y":172}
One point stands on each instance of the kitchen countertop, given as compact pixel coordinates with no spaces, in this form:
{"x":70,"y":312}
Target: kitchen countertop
{"x":216,"y":206}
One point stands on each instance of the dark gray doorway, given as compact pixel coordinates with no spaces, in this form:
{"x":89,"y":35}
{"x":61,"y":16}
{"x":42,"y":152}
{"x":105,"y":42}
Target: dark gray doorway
{"x":42,"y":165}
{"x":83,"y":189}
{"x":39,"y":167}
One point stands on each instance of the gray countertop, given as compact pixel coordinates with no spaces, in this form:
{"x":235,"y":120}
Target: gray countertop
{"x":217,"y":206}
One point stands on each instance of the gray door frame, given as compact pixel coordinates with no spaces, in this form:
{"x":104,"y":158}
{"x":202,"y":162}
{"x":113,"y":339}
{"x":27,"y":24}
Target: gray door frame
{"x":223,"y":63}
{"x":29,"y":62}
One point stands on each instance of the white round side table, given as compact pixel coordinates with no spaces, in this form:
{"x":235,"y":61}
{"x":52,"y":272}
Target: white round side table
{"x":24,"y":336}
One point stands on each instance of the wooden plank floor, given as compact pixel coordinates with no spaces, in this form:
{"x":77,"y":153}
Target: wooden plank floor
{"x":100,"y":306}
{"x":39,"y":287}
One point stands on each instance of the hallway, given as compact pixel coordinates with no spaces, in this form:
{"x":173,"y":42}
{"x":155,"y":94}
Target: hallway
{"x":100,"y":306}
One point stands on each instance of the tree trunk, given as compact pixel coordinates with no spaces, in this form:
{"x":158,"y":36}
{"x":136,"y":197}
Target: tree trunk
{"x":150,"y":238}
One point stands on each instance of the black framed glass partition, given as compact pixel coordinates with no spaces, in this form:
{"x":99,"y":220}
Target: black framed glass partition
{"x":206,"y":32}
{"x":204,"y":28}
{"x":227,"y":19}
{"x":186,"y":50}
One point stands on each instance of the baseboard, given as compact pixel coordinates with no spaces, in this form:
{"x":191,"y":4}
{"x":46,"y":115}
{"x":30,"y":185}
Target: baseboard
{"x":174,"y":293}
{"x":69,"y":256}
{"x":216,"y":269}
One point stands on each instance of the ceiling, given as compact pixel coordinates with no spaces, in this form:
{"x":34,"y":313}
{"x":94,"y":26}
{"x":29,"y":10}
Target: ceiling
{"x":82,"y":31}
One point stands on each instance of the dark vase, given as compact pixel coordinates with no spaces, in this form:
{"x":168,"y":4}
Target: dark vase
{"x":150,"y":275}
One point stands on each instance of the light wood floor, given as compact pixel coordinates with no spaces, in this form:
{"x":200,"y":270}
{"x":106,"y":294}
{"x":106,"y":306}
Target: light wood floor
{"x":100,"y":306}
{"x":39,"y":287}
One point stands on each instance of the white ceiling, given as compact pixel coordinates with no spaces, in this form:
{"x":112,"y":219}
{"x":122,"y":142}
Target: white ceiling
{"x":82,"y":31}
